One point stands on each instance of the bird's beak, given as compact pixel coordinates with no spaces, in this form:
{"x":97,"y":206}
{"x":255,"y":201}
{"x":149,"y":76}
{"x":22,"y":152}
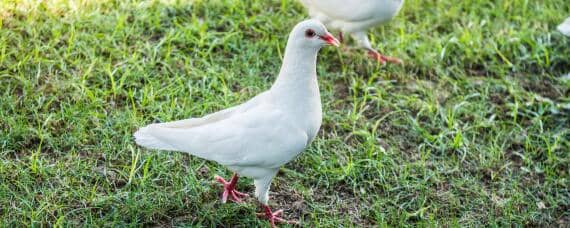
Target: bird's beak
{"x":329,"y":38}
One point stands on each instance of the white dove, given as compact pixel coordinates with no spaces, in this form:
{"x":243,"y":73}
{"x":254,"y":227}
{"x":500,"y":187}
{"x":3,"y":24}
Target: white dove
{"x":355,"y":17}
{"x":564,"y":28}
{"x":257,"y":137}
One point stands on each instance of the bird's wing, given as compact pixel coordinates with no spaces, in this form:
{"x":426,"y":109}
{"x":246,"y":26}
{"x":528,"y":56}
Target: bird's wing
{"x":261,"y":136}
{"x":564,"y":28}
{"x":214,"y":117}
{"x":346,"y":10}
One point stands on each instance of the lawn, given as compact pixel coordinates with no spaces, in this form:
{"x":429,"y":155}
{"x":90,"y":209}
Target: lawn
{"x":472,"y":130}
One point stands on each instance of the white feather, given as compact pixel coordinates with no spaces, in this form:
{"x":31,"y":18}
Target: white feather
{"x":353,"y":15}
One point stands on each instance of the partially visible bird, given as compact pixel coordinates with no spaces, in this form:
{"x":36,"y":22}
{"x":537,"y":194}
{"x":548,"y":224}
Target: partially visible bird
{"x":355,"y":17}
{"x":564,"y":28}
{"x":257,"y":137}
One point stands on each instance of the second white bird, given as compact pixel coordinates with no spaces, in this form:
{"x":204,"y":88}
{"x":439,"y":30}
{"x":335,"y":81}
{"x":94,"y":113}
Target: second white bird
{"x":355,"y":17}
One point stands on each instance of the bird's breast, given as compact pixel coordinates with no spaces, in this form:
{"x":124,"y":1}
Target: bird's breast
{"x":315,"y":124}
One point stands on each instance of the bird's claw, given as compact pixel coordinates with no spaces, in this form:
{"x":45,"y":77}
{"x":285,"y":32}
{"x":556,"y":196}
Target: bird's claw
{"x":274,"y":217}
{"x":230,"y":191}
{"x":382,"y":59}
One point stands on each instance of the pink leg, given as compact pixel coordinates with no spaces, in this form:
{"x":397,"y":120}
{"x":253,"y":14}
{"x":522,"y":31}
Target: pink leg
{"x":273,"y":217}
{"x":230,"y":189}
{"x":382,"y":58}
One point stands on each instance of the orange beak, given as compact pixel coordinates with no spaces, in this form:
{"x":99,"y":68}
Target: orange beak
{"x":329,"y":38}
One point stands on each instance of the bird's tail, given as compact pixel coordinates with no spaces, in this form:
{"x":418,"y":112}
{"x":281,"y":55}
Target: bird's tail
{"x":564,"y":28}
{"x":144,"y":138}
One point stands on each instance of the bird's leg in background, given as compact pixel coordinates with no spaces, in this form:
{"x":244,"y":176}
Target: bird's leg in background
{"x":230,"y":189}
{"x":362,"y":40}
{"x":340,"y":37}
{"x":382,"y":58}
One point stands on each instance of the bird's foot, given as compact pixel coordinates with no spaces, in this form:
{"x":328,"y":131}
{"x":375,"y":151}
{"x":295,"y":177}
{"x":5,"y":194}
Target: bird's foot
{"x":382,"y":59}
{"x":273,"y":217}
{"x":230,"y":189}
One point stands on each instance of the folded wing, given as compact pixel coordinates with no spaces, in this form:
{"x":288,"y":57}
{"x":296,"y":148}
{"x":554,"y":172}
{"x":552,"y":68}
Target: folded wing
{"x":259,"y":136}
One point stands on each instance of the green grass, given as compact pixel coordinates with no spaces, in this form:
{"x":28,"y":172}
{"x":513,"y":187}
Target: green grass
{"x":472,"y":130}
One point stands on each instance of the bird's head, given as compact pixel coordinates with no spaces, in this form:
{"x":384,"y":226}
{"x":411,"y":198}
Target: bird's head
{"x":312,"y":34}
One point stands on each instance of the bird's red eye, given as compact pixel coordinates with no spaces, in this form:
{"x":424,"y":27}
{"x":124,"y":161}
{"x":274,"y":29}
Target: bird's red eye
{"x":310,"y":33}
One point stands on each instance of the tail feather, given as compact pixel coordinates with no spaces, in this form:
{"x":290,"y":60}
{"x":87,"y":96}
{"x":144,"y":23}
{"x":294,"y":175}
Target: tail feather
{"x":144,"y":138}
{"x":564,"y":28}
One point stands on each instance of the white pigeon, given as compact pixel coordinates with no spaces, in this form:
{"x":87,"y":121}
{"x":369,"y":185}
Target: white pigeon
{"x":257,"y":137}
{"x":564,"y":28}
{"x":355,"y":17}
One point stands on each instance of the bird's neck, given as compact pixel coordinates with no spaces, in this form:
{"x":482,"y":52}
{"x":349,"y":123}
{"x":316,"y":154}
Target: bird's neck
{"x":296,"y":89}
{"x":298,"y":74}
